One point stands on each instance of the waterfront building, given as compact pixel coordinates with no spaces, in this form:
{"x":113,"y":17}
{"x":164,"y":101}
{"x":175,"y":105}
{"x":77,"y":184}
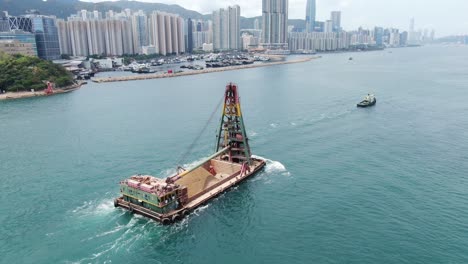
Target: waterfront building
{"x":274,"y":24}
{"x":336,"y":21}
{"x":46,"y":33}
{"x":4,"y":25}
{"x":114,"y":37}
{"x":361,"y":37}
{"x":149,"y":50}
{"x":310,"y":16}
{"x":95,"y":32}
{"x":226,"y":28}
{"x":394,"y":40}
{"x":18,"y":42}
{"x":139,"y":23}
{"x":207,"y":47}
{"x":432,"y":37}
{"x":78,"y":38}
{"x":64,"y":37}
{"x":300,"y":42}
{"x":328,"y":26}
{"x":19,"y":23}
{"x":378,"y":36}
{"x":414,"y":38}
{"x":127,"y":38}
{"x":403,"y":38}
{"x":249,"y":41}
{"x":43,"y":28}
{"x":319,"y":26}
{"x":257,"y":24}
{"x":190,"y":31}
{"x":199,"y":38}
{"x":166,"y":33}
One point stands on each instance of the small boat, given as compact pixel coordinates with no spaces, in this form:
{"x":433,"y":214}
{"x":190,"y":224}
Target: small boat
{"x":350,"y":58}
{"x":369,"y":100}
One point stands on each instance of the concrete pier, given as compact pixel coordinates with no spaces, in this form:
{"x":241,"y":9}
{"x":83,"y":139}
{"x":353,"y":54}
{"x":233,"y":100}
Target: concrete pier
{"x":186,"y":73}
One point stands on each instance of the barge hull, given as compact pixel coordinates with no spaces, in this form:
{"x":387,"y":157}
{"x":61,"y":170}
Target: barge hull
{"x":201,"y":199}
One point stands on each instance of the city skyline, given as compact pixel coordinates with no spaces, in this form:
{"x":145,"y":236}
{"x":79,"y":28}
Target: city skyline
{"x":447,"y":18}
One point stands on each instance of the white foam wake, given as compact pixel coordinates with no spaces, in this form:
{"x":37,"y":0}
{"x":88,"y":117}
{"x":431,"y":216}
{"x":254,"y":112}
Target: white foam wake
{"x":273,"y":166}
{"x":95,"y":207}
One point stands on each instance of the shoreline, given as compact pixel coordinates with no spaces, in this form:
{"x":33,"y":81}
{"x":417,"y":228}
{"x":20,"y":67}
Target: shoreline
{"x":187,"y":73}
{"x":26,"y":94}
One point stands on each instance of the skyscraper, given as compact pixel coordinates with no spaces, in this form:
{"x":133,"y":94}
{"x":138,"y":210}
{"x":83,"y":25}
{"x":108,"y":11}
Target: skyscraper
{"x":256,"y":24}
{"x":310,"y":16}
{"x":336,"y":20}
{"x":226,"y":28}
{"x":139,"y":31}
{"x":275,"y":23}
{"x":189,"y":35}
{"x":47,"y":40}
{"x":378,"y":36}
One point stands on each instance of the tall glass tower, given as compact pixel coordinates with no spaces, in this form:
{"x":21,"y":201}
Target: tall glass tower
{"x":47,"y":40}
{"x":310,"y":15}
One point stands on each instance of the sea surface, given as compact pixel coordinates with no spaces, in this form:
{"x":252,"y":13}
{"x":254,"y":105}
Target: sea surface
{"x":387,"y":184}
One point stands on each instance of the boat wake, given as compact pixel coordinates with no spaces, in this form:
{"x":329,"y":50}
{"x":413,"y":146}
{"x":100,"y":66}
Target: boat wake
{"x":252,"y":134}
{"x":95,"y":207}
{"x":273,"y":166}
{"x":132,"y":232}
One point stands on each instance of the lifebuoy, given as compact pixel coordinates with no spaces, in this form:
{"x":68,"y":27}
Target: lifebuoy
{"x":165,"y":221}
{"x":185,"y":212}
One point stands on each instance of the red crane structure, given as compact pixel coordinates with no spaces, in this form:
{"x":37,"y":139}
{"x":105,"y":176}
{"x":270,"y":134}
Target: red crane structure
{"x":49,"y":89}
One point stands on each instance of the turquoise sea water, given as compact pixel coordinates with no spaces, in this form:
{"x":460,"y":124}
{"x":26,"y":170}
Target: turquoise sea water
{"x":388,"y":184}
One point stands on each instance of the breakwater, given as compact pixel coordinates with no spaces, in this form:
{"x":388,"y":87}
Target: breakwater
{"x":186,"y":73}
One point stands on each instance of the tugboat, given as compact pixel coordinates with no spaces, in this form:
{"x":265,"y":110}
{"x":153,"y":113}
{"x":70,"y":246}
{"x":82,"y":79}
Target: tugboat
{"x":369,"y":100}
{"x":169,"y":200}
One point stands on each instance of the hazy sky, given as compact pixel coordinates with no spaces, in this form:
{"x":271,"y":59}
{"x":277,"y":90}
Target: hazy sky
{"x":447,"y":17}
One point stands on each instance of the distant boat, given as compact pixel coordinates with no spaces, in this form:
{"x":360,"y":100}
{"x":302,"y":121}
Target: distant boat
{"x":369,"y":100}
{"x":350,"y":58}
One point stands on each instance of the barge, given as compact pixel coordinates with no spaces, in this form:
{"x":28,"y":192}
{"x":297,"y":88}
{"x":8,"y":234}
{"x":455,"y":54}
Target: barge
{"x":169,"y":200}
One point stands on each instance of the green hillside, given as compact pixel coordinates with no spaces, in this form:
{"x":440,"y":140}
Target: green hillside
{"x":23,"y":73}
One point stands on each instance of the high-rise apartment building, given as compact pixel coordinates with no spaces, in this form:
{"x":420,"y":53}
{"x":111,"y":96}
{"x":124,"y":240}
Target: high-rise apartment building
{"x":378,"y":36}
{"x":257,"y":24}
{"x":275,"y":23}
{"x":166,"y":33}
{"x":226,"y":28}
{"x":310,"y":16}
{"x":64,"y":37}
{"x":139,"y":31}
{"x":336,"y":20}
{"x":78,"y":37}
{"x":190,"y":30}
{"x":328,"y":26}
